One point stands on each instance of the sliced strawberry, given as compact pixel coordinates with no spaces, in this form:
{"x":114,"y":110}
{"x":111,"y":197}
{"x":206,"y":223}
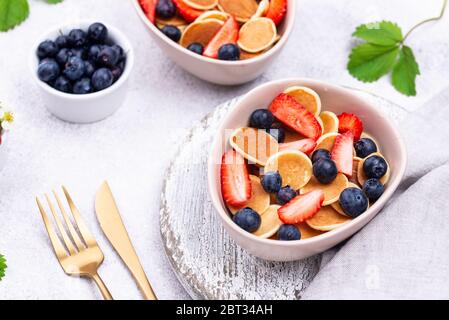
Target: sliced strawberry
{"x":343,"y":152}
{"x":303,"y":145}
{"x":235,"y":182}
{"x":302,"y":207}
{"x":350,"y":122}
{"x":277,"y":10}
{"x":149,"y":7}
{"x":293,"y":114}
{"x":229,"y":33}
{"x":188,"y":13}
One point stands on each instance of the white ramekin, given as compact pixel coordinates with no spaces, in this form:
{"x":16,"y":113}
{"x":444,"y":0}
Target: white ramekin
{"x":90,"y":107}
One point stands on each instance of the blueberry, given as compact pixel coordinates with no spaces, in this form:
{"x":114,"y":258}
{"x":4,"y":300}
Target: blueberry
{"x":325,"y":170}
{"x":80,"y":53}
{"x":90,"y":69}
{"x":120,"y":52}
{"x":93,"y":51}
{"x":373,"y":189}
{"x":364,"y":147}
{"x":229,"y":52}
{"x":83,"y":86}
{"x":107,"y":57}
{"x":47,"y":49}
{"x":289,"y":232}
{"x":247,"y":219}
{"x":172,"y":32}
{"x":277,"y":133}
{"x":271,"y":182}
{"x":196,"y":48}
{"x":353,"y":202}
{"x":165,"y":9}
{"x":320,"y":154}
{"x":48,"y":70}
{"x":97,"y":32}
{"x":116,"y":72}
{"x":102,"y":79}
{"x":285,"y":195}
{"x":62,"y":84}
{"x":63,"y":56}
{"x":62,"y":41}
{"x":261,"y":119}
{"x":375,"y":167}
{"x":77,"y":38}
{"x":74,"y":68}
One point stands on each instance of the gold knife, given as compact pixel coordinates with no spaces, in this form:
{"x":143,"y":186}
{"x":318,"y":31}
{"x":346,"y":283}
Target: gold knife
{"x":112,"y":225}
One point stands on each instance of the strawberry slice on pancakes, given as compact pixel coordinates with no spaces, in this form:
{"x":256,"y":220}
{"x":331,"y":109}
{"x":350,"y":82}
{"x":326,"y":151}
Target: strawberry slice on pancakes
{"x":188,"y":13}
{"x":350,"y":122}
{"x":343,"y":152}
{"x":235,"y":181}
{"x":303,"y":145}
{"x":277,"y":10}
{"x":302,"y":207}
{"x":291,"y":113}
{"x":229,"y":33}
{"x":149,"y":7}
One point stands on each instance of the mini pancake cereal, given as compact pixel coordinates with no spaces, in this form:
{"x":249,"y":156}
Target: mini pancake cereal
{"x":248,"y":28}
{"x":270,"y":222}
{"x":306,"y":181}
{"x":330,"y":122}
{"x":257,"y":35}
{"x":242,"y":10}
{"x":259,"y":201}
{"x":327,"y":219}
{"x":202,"y":4}
{"x":200,"y":32}
{"x":327,"y":141}
{"x":254,"y":145}
{"x":306,"y":97}
{"x":331,"y":191}
{"x":294,"y":167}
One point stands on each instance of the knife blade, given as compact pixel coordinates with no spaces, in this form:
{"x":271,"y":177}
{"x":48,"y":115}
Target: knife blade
{"x":113,"y":227}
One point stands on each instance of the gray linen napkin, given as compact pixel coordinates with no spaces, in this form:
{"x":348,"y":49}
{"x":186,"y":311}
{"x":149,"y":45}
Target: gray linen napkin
{"x":404,"y":252}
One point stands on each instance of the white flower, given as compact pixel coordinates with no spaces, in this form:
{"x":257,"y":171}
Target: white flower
{"x":7,"y":118}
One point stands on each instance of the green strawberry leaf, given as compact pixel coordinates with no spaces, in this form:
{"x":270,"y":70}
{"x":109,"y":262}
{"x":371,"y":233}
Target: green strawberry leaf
{"x":383,"y":33}
{"x":368,"y":62}
{"x":2,"y":266}
{"x":12,"y":13}
{"x":54,"y":1}
{"x":405,"y":72}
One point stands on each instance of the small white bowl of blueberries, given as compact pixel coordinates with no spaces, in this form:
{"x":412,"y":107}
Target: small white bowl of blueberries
{"x":83,"y":70}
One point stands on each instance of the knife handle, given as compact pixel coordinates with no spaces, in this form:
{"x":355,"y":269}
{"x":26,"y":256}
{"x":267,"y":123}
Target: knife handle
{"x":144,"y":284}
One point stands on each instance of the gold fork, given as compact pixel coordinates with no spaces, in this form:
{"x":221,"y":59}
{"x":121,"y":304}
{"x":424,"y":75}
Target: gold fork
{"x":77,"y":257}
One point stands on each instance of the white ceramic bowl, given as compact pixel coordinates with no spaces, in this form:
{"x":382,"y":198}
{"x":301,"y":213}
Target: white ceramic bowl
{"x":336,"y":99}
{"x":217,"y":71}
{"x":88,"y":107}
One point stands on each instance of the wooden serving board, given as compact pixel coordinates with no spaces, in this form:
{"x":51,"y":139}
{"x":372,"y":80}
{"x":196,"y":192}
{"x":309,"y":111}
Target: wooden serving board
{"x":205,"y":259}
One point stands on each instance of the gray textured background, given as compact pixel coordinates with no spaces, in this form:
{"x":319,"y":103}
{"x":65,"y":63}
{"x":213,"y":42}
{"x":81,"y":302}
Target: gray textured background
{"x":164,"y":102}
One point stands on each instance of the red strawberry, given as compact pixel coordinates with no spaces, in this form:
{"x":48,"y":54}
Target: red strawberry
{"x":188,"y":13}
{"x":277,"y":10}
{"x":149,"y":7}
{"x":294,"y":115}
{"x":303,"y":145}
{"x":235,"y":182}
{"x":350,"y":122}
{"x":302,"y":207}
{"x":229,"y":33}
{"x":343,"y":152}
